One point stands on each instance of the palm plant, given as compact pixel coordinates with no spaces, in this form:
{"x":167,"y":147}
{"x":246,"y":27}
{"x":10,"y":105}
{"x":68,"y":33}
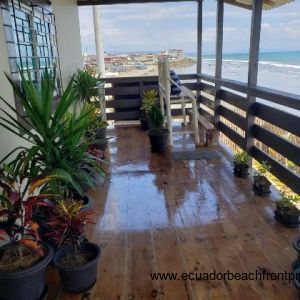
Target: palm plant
{"x":150,"y":98}
{"x":86,"y":87}
{"x":58,"y":150}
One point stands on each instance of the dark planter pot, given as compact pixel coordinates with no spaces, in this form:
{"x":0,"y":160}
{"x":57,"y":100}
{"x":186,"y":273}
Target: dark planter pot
{"x":297,"y":278}
{"x":287,"y":216}
{"x":241,"y":170}
{"x":296,"y":245}
{"x":158,"y":140}
{"x":29,"y":284}
{"x":144,"y":123}
{"x":101,"y":133}
{"x":78,"y":279}
{"x":261,"y":186}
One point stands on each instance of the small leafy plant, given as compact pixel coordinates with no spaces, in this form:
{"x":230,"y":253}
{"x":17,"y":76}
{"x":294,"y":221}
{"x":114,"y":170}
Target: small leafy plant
{"x":150,"y":99}
{"x":263,"y":169}
{"x":68,"y":221}
{"x":16,"y":223}
{"x":156,"y":118}
{"x":287,"y":209}
{"x":288,"y":199}
{"x":241,"y":158}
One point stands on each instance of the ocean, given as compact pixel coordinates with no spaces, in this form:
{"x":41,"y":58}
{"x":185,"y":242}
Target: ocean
{"x":277,"y":70}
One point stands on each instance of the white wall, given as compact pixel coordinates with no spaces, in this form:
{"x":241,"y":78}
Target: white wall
{"x":8,"y":141}
{"x":68,"y":37}
{"x":69,"y":45}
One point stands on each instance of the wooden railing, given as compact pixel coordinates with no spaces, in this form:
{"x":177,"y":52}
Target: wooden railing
{"x":277,"y":115}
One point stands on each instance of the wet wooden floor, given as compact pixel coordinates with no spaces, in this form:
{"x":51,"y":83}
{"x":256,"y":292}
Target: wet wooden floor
{"x":160,"y":215}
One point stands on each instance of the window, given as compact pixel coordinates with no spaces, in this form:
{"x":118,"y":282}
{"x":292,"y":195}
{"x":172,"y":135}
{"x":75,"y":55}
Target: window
{"x":31,"y":39}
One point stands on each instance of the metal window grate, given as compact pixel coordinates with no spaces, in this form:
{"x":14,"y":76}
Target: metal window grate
{"x":31,"y":39}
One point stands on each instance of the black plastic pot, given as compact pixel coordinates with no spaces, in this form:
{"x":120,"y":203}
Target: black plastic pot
{"x":78,"y":279}
{"x":101,"y":133}
{"x":287,"y":216}
{"x":144,"y":122}
{"x":28,"y":284}
{"x":158,"y":140}
{"x":261,"y":186}
{"x":296,"y":245}
{"x":241,"y":170}
{"x":297,"y":278}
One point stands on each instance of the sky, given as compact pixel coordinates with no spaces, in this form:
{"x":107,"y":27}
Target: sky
{"x":159,"y":26}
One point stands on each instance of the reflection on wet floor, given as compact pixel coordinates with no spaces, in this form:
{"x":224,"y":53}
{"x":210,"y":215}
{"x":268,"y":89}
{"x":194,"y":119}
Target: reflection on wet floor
{"x":156,"y":214}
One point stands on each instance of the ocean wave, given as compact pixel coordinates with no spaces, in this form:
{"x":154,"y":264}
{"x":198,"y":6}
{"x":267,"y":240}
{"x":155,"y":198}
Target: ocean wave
{"x":267,"y":63}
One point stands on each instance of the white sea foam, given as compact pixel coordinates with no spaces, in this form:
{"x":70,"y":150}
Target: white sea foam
{"x":266,"y":63}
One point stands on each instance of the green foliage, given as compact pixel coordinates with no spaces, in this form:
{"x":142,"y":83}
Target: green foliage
{"x":16,"y":210}
{"x":97,"y":121}
{"x":289,"y":199}
{"x":241,"y":158}
{"x":68,"y":220}
{"x":149,"y":100}
{"x":263,"y":168}
{"x":155,"y":117}
{"x":57,"y":151}
{"x":86,"y":86}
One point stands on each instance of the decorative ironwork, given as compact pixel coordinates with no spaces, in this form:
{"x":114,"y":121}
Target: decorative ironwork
{"x":31,"y":39}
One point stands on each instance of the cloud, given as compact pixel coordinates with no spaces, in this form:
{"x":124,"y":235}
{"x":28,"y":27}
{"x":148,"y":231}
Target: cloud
{"x":158,"y":26}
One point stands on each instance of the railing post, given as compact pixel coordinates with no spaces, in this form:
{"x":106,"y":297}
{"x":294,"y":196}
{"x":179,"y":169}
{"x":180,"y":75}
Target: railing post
{"x":219,"y":54}
{"x":253,"y":70}
{"x":199,"y":48}
{"x":141,"y":88}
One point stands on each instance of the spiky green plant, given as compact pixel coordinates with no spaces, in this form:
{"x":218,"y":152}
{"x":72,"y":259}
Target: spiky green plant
{"x":150,"y":98}
{"x":156,"y":117}
{"x":86,"y":87}
{"x":57,"y":151}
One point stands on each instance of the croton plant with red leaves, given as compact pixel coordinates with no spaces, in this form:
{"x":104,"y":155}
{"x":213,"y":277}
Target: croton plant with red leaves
{"x":68,"y":220}
{"x":96,"y":152}
{"x":16,"y":210}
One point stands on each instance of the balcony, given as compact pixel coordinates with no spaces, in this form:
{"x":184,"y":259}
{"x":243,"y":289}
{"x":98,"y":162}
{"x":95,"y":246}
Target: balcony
{"x":157,"y":214}
{"x":276,"y":116}
{"x":173,"y":213}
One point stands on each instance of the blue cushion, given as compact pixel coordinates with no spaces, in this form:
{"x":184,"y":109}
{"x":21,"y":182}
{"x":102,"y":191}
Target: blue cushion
{"x":175,"y":91}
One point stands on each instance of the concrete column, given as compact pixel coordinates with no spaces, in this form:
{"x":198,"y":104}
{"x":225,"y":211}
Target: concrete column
{"x":99,"y":40}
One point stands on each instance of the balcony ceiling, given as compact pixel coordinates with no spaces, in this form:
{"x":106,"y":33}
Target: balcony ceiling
{"x":268,"y":4}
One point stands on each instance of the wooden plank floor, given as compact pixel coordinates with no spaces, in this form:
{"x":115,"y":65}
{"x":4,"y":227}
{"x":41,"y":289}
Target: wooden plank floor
{"x":160,"y":215}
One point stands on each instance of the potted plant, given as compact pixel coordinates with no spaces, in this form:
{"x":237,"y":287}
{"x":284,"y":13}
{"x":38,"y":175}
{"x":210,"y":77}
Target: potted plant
{"x":57,"y":146}
{"x":87,"y":88}
{"x":98,"y":132}
{"x":75,"y":259}
{"x":150,"y":98}
{"x":158,"y":135}
{"x":287,"y":211}
{"x":240,"y":161}
{"x":24,"y":259}
{"x":261,"y":183}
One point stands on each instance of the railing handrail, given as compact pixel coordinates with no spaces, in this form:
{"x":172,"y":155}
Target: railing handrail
{"x":279,"y":97}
